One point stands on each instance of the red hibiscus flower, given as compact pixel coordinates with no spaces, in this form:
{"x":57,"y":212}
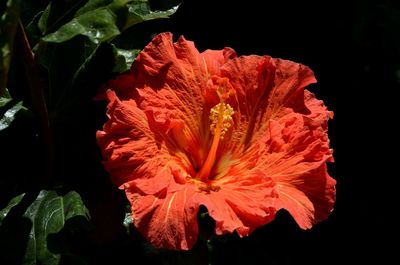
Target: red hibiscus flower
{"x":238,"y":135}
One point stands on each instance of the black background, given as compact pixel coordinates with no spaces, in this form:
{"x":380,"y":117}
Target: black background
{"x":353,"y":47}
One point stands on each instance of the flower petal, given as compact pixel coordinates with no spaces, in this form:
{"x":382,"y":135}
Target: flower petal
{"x":154,"y":137}
{"x":265,"y":88}
{"x":272,"y":157}
{"x":310,"y":200}
{"x":171,"y":79}
{"x":241,"y":204}
{"x":131,"y":148}
{"x":167,"y":221}
{"x":297,"y":150}
{"x":178,"y":65}
{"x":283,"y":130}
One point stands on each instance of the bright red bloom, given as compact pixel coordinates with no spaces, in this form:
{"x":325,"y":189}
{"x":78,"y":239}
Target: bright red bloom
{"x":239,"y":135}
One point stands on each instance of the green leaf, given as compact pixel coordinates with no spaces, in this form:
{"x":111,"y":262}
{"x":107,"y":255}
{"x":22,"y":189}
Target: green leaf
{"x":73,"y":206}
{"x":94,"y":4}
{"x":57,"y":13}
{"x":8,"y":27}
{"x":46,"y":216}
{"x":9,"y":115}
{"x":128,"y":220}
{"x":44,"y":18}
{"x":33,"y":31}
{"x":90,"y":66}
{"x":87,"y":34}
{"x":102,"y":20}
{"x":98,"y":25}
{"x":4,"y":101}
{"x":123,"y":59}
{"x":140,"y":11}
{"x":14,"y":201}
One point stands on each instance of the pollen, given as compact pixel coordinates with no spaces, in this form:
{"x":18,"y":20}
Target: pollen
{"x":221,"y":118}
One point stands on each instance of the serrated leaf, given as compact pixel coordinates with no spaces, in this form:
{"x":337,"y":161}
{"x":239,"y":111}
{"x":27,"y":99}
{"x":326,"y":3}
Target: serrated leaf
{"x":102,"y":20}
{"x":123,"y":59}
{"x":9,"y":116}
{"x":8,"y":26}
{"x":45,"y":216}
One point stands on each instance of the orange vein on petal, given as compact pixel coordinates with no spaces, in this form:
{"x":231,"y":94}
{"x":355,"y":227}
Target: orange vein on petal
{"x":186,"y":116}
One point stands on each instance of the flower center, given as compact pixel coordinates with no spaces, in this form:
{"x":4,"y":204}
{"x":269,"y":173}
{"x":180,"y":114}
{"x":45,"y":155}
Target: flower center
{"x":221,"y":120}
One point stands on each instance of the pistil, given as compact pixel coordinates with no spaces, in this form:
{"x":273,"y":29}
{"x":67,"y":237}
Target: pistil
{"x":221,"y":120}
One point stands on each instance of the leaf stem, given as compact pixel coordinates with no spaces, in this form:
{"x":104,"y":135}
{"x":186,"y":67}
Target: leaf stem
{"x":31,"y":68}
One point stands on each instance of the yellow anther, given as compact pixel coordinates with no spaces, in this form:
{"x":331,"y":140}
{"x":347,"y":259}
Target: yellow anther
{"x":221,"y":119}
